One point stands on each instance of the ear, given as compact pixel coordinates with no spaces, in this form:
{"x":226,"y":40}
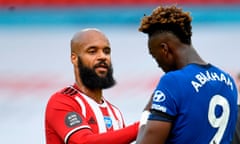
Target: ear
{"x":74,"y":58}
{"x":164,"y":48}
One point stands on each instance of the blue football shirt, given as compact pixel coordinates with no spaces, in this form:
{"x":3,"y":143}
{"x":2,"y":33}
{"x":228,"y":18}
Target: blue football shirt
{"x":201,"y":103}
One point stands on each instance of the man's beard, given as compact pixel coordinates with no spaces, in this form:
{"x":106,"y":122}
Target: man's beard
{"x":91,"y":80}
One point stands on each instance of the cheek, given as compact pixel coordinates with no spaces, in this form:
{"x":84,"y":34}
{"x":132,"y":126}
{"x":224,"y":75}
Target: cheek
{"x":156,"y":55}
{"x":160,"y":62}
{"x":108,"y":59}
{"x":86,"y":63}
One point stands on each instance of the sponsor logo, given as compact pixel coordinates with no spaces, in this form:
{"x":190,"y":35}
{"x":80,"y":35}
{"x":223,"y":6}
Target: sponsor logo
{"x":72,"y":119}
{"x":158,"y":107}
{"x":159,"y":96}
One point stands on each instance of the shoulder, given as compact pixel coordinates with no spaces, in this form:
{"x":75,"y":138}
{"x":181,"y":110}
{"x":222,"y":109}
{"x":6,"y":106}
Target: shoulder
{"x":63,"y":97}
{"x":186,"y":72}
{"x":172,"y":77}
{"x":68,"y":91}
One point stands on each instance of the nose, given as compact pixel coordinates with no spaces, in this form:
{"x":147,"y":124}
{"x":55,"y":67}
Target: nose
{"x":102,"y":55}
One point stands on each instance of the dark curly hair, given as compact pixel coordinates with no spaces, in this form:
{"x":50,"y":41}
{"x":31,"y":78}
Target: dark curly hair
{"x":168,"y":19}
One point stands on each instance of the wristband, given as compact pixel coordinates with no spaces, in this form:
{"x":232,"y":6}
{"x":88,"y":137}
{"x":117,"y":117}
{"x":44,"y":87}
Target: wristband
{"x":144,"y":118}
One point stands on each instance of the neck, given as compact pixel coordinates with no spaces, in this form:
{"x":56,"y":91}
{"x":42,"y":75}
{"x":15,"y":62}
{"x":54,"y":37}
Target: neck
{"x":188,"y":56}
{"x":95,"y":94}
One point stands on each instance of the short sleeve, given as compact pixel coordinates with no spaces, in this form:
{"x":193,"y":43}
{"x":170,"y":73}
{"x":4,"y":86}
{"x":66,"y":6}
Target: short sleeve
{"x":63,"y":117}
{"x":164,"y":101}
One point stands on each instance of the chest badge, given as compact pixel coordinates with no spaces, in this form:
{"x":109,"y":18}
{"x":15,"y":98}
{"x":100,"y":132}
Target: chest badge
{"x":108,"y":122}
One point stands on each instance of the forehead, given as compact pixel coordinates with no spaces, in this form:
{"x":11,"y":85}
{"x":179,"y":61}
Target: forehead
{"x":93,"y":37}
{"x":87,"y":39}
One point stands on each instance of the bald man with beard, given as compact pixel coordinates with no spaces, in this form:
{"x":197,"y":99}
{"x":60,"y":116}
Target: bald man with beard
{"x":79,"y":113}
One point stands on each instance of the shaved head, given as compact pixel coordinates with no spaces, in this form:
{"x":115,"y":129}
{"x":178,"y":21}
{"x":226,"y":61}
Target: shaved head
{"x":91,"y":58}
{"x":86,"y":36}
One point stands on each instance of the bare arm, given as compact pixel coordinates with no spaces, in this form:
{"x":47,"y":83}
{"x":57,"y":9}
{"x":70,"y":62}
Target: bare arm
{"x":154,"y":132}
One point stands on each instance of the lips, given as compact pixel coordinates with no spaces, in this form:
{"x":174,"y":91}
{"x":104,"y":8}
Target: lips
{"x":101,"y":65}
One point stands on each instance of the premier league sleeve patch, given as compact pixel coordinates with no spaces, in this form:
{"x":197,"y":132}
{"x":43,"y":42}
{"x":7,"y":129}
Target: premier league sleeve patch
{"x":72,"y":119}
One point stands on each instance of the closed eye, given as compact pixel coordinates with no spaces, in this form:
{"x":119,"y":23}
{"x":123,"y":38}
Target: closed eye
{"x":92,"y":50}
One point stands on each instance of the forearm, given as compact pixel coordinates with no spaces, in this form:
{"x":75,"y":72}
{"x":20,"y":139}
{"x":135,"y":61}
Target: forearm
{"x":122,"y":136}
{"x":143,"y":121}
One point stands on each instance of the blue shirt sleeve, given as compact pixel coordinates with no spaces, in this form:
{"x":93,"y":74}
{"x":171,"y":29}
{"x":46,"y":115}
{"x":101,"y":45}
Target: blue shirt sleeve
{"x":164,"y":105}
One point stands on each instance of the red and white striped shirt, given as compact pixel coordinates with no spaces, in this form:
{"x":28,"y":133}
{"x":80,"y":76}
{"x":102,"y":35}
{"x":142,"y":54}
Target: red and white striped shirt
{"x":73,"y":117}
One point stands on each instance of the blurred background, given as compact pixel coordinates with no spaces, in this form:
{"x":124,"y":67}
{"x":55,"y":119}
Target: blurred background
{"x":35,"y":53}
